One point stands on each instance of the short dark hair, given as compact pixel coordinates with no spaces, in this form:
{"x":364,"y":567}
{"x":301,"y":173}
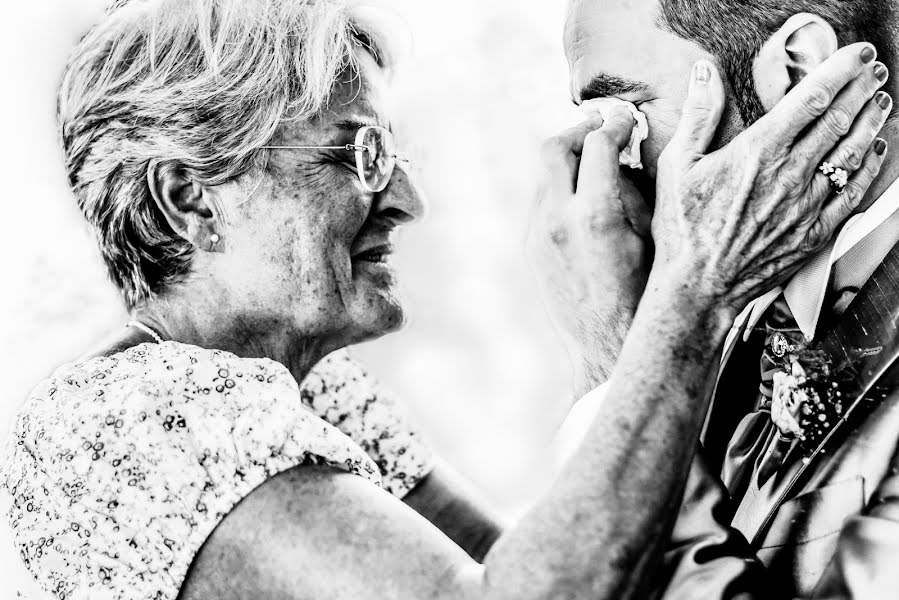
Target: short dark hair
{"x":734,"y":31}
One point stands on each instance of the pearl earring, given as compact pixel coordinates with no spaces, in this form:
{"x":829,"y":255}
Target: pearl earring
{"x":214,"y":238}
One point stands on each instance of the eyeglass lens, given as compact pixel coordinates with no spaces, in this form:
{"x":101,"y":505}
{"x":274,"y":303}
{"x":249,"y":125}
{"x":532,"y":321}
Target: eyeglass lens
{"x":377,"y":162}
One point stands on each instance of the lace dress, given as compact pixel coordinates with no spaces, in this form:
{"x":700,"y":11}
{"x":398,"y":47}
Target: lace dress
{"x":119,"y":467}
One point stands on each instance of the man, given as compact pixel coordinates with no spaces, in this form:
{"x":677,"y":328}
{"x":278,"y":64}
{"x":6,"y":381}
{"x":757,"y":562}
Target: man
{"x":804,"y":422}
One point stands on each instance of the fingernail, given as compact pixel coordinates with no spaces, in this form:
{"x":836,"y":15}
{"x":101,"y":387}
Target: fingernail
{"x":881,"y":72}
{"x":868,"y":54}
{"x":883,"y":100}
{"x":880,"y":146}
{"x":702,"y":73}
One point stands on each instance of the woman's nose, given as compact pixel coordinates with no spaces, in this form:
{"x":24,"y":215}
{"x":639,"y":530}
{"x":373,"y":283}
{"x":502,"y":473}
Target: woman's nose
{"x":401,"y":201}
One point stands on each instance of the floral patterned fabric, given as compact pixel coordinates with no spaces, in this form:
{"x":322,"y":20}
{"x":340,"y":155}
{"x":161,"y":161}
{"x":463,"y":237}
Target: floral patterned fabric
{"x":120,"y":467}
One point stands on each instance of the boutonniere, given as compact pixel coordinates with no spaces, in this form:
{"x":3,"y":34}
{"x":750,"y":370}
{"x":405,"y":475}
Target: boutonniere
{"x":806,"y":401}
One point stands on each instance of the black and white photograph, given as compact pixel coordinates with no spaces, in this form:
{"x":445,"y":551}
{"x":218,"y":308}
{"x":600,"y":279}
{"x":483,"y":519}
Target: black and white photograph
{"x":480,"y":300}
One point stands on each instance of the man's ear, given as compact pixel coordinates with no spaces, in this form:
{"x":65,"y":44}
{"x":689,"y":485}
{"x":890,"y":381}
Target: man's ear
{"x":190,"y":208}
{"x":800,"y":45}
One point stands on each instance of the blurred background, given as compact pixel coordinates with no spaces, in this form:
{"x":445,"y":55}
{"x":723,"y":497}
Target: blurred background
{"x":478,"y":367}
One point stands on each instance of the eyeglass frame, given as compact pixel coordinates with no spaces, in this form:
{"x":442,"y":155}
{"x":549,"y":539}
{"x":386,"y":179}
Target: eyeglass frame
{"x":357,"y":147}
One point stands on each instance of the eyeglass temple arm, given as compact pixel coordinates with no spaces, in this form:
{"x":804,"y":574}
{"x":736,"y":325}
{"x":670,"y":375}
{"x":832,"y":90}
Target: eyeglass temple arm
{"x":352,"y":147}
{"x":401,"y":156}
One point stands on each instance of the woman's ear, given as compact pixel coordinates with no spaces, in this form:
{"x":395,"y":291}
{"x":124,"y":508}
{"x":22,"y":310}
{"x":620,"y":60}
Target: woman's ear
{"x":190,"y":208}
{"x":800,"y":45}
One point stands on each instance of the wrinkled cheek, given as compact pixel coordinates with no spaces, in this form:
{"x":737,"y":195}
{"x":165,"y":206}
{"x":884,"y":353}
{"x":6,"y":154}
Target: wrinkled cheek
{"x":289,"y":261}
{"x":314,"y":274}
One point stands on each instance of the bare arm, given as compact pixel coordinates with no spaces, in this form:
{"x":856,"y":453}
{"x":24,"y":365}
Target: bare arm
{"x":313,"y":533}
{"x":443,"y":500}
{"x":609,"y":534}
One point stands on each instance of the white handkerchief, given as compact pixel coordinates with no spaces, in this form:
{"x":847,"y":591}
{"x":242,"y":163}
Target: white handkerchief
{"x":630,"y":156}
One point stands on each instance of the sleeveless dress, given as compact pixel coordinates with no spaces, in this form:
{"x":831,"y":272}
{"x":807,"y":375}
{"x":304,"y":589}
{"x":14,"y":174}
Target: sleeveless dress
{"x":119,"y":467}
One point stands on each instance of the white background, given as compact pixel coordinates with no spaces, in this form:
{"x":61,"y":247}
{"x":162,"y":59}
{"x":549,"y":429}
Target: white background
{"x":478,"y":366}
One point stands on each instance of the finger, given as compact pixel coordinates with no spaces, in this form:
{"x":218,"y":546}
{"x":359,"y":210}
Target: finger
{"x":559,"y":156}
{"x":865,"y":179}
{"x":813,"y":95}
{"x":571,"y":140}
{"x":843,"y":117}
{"x":851,"y":150}
{"x":839,"y":207}
{"x":599,"y":169}
{"x":620,"y":126}
{"x":700,"y":115}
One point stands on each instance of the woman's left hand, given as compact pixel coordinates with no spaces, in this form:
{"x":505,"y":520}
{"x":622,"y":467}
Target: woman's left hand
{"x":741,"y":219}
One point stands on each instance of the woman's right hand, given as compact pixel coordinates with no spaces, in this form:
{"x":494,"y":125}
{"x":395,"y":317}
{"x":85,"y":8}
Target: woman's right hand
{"x":735,"y":223}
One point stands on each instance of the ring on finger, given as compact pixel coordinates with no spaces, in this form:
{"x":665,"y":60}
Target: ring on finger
{"x":838,"y":176}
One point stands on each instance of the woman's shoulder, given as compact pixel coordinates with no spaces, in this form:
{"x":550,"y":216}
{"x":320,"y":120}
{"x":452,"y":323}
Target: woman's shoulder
{"x":140,"y":454}
{"x":170,"y":396}
{"x":160,"y":371}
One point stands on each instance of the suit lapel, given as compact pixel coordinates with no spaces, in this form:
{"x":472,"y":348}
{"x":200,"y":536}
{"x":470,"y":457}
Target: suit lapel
{"x":864,"y":344}
{"x":734,"y":395}
{"x":724,"y":414}
{"x":732,"y":338}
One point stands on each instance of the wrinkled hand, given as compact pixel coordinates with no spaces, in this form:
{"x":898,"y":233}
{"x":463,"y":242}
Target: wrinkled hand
{"x":735,"y":223}
{"x":589,"y":242}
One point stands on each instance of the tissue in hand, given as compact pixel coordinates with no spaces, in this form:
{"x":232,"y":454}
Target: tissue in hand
{"x":630,"y":156}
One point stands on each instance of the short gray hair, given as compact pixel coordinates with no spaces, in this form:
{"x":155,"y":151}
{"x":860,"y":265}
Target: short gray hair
{"x":197,"y":83}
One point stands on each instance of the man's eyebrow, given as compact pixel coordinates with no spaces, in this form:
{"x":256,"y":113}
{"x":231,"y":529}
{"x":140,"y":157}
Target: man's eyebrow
{"x":607,"y":86}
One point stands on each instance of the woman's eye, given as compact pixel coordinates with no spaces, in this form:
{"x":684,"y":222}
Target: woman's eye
{"x":341,"y":159}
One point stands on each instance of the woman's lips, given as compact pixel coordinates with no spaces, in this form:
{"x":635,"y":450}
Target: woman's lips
{"x":374,"y":254}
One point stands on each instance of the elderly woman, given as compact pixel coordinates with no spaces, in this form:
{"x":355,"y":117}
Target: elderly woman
{"x":235,"y":160}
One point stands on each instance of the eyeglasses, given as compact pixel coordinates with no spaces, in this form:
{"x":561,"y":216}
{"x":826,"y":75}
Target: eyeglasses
{"x":375,"y":156}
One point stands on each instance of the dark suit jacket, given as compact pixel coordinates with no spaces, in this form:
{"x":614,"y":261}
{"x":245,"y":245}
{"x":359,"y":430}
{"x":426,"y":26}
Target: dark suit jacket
{"x":834,"y":533}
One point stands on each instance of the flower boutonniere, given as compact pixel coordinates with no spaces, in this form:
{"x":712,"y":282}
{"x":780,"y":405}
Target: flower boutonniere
{"x":806,"y":402}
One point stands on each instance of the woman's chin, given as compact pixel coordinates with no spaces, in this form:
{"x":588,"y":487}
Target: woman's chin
{"x":379,"y":312}
{"x":377,"y":309}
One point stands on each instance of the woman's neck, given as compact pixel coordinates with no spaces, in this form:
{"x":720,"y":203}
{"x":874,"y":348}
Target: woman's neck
{"x":223,"y":329}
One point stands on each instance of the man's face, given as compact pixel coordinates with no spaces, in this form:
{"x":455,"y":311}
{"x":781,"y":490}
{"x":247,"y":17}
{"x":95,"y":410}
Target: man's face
{"x":615,"y":48}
